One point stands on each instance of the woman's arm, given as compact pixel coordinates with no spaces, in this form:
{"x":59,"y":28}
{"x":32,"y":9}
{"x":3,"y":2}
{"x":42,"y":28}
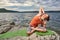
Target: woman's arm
{"x":41,"y":11}
{"x":44,"y":24}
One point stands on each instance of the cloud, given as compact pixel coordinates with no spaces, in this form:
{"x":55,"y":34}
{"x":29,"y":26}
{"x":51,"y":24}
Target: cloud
{"x":28,"y":3}
{"x":5,"y":3}
{"x":15,"y":3}
{"x":12,"y":8}
{"x":47,"y":4}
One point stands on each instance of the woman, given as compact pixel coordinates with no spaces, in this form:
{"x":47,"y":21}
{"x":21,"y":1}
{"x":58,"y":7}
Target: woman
{"x":40,"y":19}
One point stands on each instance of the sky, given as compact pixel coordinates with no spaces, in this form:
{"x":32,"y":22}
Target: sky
{"x":21,"y":5}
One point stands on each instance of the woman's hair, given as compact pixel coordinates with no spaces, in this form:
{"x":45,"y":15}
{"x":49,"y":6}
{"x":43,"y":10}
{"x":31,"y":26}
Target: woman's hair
{"x":47,"y":18}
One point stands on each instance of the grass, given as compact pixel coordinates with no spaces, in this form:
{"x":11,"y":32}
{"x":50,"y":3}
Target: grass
{"x":49,"y":32}
{"x":13,"y":34}
{"x":23,"y":33}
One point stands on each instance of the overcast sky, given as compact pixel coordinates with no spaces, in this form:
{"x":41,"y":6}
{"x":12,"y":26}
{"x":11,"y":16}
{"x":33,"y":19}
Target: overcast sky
{"x":30,"y":4}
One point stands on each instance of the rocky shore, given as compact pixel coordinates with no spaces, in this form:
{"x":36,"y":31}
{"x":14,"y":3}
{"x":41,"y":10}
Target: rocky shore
{"x":37,"y":37}
{"x":8,"y":26}
{"x":55,"y":36}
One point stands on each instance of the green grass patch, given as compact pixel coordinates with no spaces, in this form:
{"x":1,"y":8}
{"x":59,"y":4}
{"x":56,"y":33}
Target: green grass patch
{"x":49,"y":32}
{"x":22,"y":33}
{"x":13,"y":34}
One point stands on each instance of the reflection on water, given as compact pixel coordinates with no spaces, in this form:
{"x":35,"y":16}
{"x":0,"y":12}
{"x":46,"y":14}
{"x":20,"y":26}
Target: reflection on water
{"x":24,"y":18}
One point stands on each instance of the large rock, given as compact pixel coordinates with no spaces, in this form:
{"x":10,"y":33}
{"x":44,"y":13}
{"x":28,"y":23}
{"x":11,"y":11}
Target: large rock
{"x":55,"y":36}
{"x":6,"y":28}
{"x":4,"y":22}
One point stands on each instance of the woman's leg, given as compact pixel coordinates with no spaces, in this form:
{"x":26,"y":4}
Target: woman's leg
{"x":41,"y":29}
{"x":29,"y":30}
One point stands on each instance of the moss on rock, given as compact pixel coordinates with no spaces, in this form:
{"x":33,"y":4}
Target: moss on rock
{"x":23,"y":33}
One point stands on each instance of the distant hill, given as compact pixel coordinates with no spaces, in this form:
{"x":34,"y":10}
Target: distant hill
{"x":52,"y":11}
{"x":5,"y":10}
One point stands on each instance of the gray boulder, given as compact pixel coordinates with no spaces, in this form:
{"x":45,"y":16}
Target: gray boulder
{"x":6,"y":28}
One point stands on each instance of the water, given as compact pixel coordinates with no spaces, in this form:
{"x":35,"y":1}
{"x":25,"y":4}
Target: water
{"x":24,"y":18}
